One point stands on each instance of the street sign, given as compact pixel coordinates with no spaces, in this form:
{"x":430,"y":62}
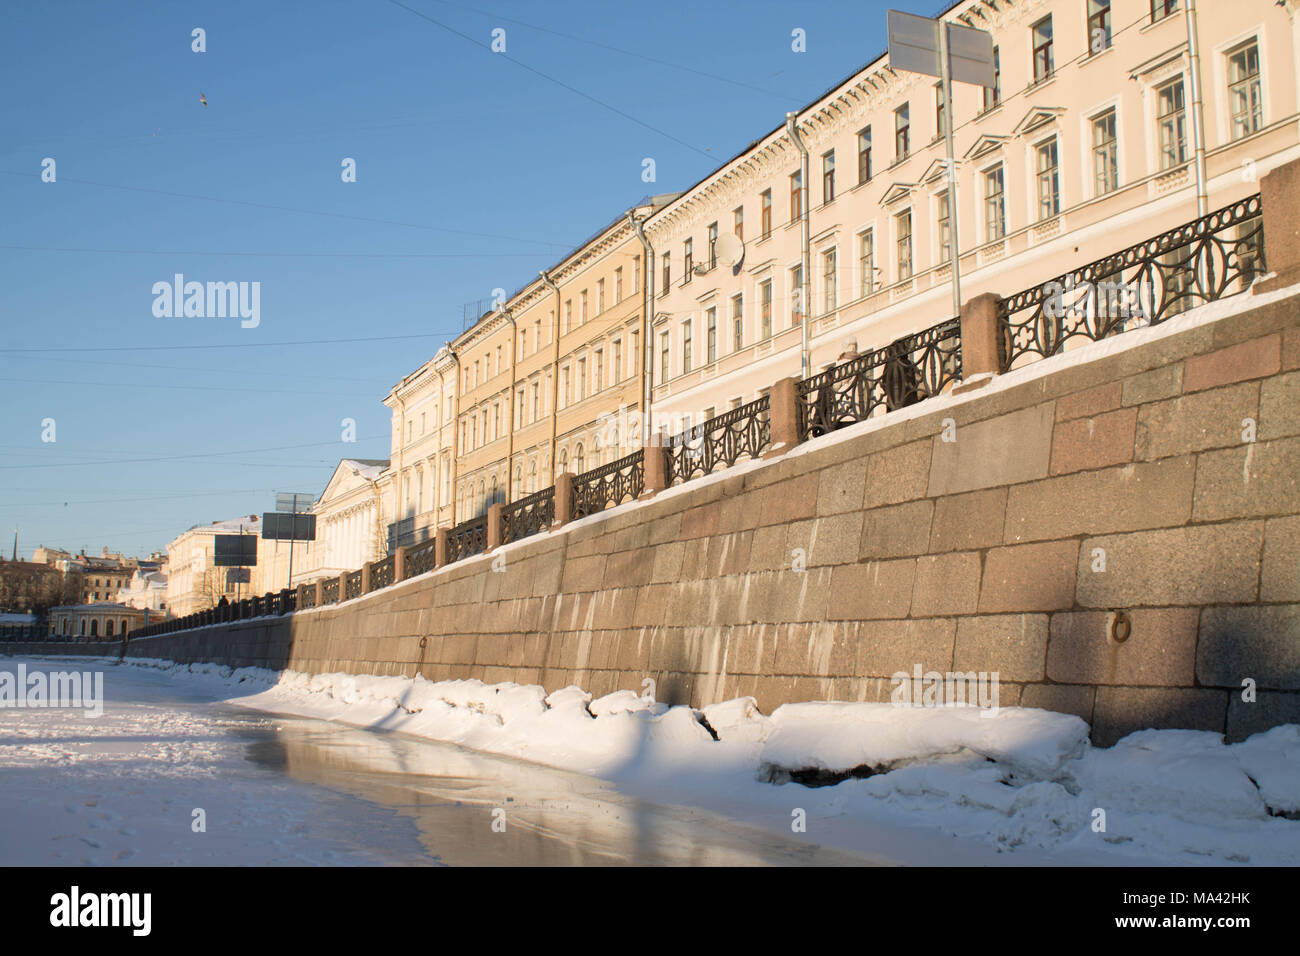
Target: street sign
{"x":238,"y":576}
{"x":290,"y":501}
{"x":288,"y":527}
{"x":914,"y":47}
{"x":234,"y":550}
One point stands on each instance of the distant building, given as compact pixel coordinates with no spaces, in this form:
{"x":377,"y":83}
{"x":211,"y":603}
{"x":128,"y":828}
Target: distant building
{"x":99,"y":621}
{"x":350,"y":526}
{"x":147,"y":589}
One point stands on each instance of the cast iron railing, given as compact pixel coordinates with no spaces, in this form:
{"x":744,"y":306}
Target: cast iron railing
{"x":609,"y":485}
{"x":467,"y":539}
{"x":528,"y":515}
{"x":329,"y":591}
{"x":910,"y":370}
{"x":383,"y":572}
{"x":1207,"y":259}
{"x":745,"y":431}
{"x":307,"y":598}
{"x":352,"y":586}
{"x":421,"y":558}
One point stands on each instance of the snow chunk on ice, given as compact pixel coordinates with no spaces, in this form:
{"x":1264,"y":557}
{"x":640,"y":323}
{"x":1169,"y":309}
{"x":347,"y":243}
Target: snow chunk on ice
{"x":841,"y":736}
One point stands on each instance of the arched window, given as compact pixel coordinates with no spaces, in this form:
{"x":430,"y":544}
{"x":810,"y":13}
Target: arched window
{"x":482,"y":496}
{"x":519,"y":480}
{"x":494,"y":489}
{"x":83,"y":627}
{"x":108,"y":628}
{"x":123,"y":631}
{"x":596,"y":461}
{"x":94,"y":627}
{"x":564,"y":461}
{"x":579,"y":459}
{"x":532,"y":476}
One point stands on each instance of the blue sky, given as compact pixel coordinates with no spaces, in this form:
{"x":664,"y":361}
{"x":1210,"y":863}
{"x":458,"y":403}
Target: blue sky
{"x":473,"y":171}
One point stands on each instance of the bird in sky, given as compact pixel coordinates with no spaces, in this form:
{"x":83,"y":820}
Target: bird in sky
{"x":204,"y":100}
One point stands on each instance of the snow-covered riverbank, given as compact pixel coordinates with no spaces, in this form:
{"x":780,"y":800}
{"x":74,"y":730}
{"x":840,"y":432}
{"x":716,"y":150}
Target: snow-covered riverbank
{"x":1024,"y":783}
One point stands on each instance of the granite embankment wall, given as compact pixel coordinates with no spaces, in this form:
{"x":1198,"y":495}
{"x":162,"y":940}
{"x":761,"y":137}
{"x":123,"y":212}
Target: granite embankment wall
{"x":819,"y":574}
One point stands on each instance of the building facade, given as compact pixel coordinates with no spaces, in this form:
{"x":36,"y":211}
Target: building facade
{"x":99,"y":621}
{"x":195,"y":583}
{"x":846,"y":215}
{"x":350,"y":526}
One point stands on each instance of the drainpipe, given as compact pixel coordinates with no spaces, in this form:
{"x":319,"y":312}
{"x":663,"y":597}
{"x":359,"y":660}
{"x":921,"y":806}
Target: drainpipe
{"x":442,"y":397}
{"x":455,"y":436}
{"x":792,"y":128}
{"x":401,"y":459}
{"x":555,"y":369}
{"x":510,"y":422}
{"x":1198,"y":111}
{"x":647,"y":301}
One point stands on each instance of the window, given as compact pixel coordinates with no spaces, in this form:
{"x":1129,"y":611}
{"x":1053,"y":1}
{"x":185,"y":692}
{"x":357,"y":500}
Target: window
{"x":737,"y":322}
{"x":1044,"y":62}
{"x":579,"y":459}
{"x":828,"y":176}
{"x":663,"y":356}
{"x":688,"y":259}
{"x":568,"y":314}
{"x":995,"y":204}
{"x":864,"y":155}
{"x":618,"y":361}
{"x":902,"y":132}
{"x":765,"y":216}
{"x":945,"y":228}
{"x":713,"y":244}
{"x":582,"y":379}
{"x":1049,"y":180}
{"x":711,"y":333}
{"x":668,"y":273}
{"x":636,"y":272}
{"x":796,"y":195}
{"x":993,"y":96}
{"x":796,"y":295}
{"x":1105,"y":153}
{"x":686,"y":346}
{"x":582,"y":307}
{"x":828,"y":281}
{"x":600,"y":370}
{"x":1098,"y":25}
{"x":866,"y":263}
{"x":903,"y":223}
{"x":940,"y":112}
{"x":600,"y":300}
{"x":765,"y":309}
{"x":1172,"y":121}
{"x":618,"y":285}
{"x":566,"y":392}
{"x":1163,"y":8}
{"x":1244,"y":95}
{"x":738,"y":222}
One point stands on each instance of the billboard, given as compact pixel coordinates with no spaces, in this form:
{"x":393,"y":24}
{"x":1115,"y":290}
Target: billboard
{"x":288,"y":527}
{"x":238,"y":576}
{"x":234,"y":550}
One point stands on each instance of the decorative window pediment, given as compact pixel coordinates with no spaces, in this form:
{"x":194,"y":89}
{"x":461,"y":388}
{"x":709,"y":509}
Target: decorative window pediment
{"x":1037,"y":118}
{"x":984,"y":145}
{"x":897,"y":193}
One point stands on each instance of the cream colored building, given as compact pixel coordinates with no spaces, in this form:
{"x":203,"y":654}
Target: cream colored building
{"x":146,"y":590}
{"x":1080,"y":151}
{"x":350,"y":526}
{"x":194,"y":583}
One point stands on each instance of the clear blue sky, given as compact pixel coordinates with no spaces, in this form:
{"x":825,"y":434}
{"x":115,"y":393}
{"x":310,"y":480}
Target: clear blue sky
{"x":473,"y":172}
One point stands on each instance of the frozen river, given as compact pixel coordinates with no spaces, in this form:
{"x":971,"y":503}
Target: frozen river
{"x":169,"y":777}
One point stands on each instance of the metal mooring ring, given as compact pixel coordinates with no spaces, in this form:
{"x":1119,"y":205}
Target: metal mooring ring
{"x":424,"y":642}
{"x":1120,"y":627}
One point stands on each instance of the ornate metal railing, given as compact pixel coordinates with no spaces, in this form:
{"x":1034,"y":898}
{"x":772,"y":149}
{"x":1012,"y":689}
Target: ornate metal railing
{"x":329,"y":591}
{"x":420,"y":558}
{"x":353,"y":586}
{"x":307,"y":597}
{"x":910,"y":370}
{"x":528,"y":515}
{"x":382,"y":573}
{"x":609,"y":485}
{"x":467,"y":538}
{"x":1207,"y":259}
{"x":721,"y":441}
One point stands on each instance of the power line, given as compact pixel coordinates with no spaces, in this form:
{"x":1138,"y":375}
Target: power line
{"x":185,"y":387}
{"x":556,"y":81}
{"x":243,"y":345}
{"x":294,"y":209}
{"x":194,"y":455}
{"x":285,"y":255}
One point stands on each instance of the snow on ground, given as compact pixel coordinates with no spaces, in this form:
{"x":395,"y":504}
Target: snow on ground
{"x":1025,"y":782}
{"x":122,"y":788}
